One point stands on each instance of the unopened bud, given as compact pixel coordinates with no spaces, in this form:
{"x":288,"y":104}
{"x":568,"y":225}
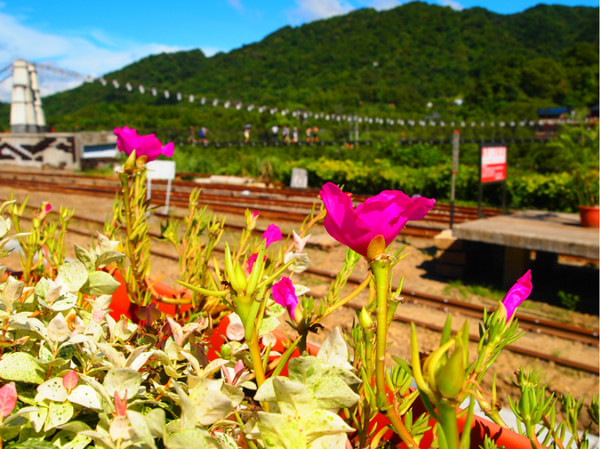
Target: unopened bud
{"x":365,"y":320}
{"x":451,"y":377}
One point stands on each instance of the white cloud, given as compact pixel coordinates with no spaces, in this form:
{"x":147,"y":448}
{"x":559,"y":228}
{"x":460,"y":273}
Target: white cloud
{"x":452,"y":4}
{"x":309,"y":10}
{"x":382,"y":5}
{"x":94,"y":54}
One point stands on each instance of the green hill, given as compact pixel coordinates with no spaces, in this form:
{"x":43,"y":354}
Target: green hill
{"x":391,"y":63}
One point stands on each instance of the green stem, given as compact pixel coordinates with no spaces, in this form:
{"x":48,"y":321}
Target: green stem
{"x":256,"y":359}
{"x":449,"y":424}
{"x":381,"y":271}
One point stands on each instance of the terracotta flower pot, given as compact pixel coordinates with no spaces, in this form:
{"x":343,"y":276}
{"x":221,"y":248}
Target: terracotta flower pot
{"x":589,"y":216}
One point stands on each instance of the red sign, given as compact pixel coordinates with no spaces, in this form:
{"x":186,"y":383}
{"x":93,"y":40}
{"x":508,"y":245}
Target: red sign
{"x":493,"y":164}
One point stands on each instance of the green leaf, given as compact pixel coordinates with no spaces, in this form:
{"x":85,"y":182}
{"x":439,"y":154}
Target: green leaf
{"x":334,"y":351}
{"x":214,"y":400}
{"x":32,"y":443}
{"x":280,"y":431}
{"x":86,"y":396}
{"x":332,"y":393}
{"x":322,"y":423}
{"x":141,"y":428}
{"x":58,"y":413}
{"x":52,"y":390}
{"x":108,"y":257}
{"x":187,"y":439}
{"x":100,"y":283}
{"x":121,"y":379}
{"x":306,"y":369}
{"x":87,"y":258}
{"x":72,"y":276}
{"x":70,"y":437}
{"x":293,"y":398}
{"x":21,"y":367}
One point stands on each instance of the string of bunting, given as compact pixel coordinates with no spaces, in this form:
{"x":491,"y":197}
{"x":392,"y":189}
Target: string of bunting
{"x":238,"y":105}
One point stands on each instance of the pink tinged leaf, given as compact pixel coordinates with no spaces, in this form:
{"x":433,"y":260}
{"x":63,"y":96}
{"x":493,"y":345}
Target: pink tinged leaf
{"x":8,"y":399}
{"x":517,"y":294}
{"x":70,"y":380}
{"x":299,"y":242}
{"x":271,"y":235}
{"x":284,"y":294}
{"x":121,"y":404}
{"x":98,"y":315}
{"x":235,"y":328}
{"x":48,"y":208}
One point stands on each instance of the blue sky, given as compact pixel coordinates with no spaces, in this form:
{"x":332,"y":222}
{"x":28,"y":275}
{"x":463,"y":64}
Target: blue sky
{"x":94,"y":38}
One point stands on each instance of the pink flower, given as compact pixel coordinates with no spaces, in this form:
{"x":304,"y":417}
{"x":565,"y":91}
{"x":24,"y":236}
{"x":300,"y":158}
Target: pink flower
{"x":128,"y":140}
{"x":250,"y":262}
{"x":517,"y":294}
{"x":8,"y":399}
{"x":382,"y":215}
{"x":271,"y":235}
{"x":284,"y":294}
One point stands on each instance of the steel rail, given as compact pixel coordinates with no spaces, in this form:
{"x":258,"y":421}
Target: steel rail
{"x":559,"y":330}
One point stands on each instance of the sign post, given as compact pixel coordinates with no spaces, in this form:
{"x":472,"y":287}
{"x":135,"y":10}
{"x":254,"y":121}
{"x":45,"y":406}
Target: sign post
{"x":492,"y":168}
{"x":455,"y":150}
{"x":160,"y":170}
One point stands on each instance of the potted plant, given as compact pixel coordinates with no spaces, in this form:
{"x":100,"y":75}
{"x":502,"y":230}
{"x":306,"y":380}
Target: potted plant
{"x":214,"y":370}
{"x":577,"y":153}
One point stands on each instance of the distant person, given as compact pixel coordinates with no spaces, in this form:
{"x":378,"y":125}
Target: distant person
{"x":285,"y":132}
{"x":295,"y":134}
{"x":275,"y":132}
{"x":246,"y":134}
{"x":308,"y":133}
{"x":203,"y":134}
{"x":315,"y":134}
{"x":192,"y":136}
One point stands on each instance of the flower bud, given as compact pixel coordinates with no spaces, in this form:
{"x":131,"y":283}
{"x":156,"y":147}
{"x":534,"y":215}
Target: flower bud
{"x":376,"y":248}
{"x":364,"y":319}
{"x":450,"y":378}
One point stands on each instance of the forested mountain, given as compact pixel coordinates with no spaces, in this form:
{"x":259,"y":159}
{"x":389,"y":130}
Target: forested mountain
{"x":391,"y":62}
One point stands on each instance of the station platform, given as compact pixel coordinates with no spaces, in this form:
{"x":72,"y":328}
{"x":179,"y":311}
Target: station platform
{"x":513,"y":238}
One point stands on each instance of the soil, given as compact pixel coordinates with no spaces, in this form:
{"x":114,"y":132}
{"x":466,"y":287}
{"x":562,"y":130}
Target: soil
{"x":413,"y":267}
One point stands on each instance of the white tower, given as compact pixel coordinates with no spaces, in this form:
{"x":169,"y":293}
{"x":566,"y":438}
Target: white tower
{"x":40,"y":119}
{"x":25,"y":100}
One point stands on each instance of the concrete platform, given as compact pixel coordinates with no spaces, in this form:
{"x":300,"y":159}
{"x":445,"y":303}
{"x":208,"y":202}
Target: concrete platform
{"x":550,"y":234}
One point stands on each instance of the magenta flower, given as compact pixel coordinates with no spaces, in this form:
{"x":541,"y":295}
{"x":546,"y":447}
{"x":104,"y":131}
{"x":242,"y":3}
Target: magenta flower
{"x":128,"y":140}
{"x":382,"y":215}
{"x":517,"y":294}
{"x":271,"y":235}
{"x":284,"y":294}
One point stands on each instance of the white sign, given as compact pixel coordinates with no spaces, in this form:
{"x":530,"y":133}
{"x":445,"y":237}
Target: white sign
{"x":299,"y":178}
{"x":160,"y":170}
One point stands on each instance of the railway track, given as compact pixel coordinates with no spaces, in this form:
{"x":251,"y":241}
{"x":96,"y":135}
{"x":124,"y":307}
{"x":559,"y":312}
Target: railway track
{"x":288,"y":205}
{"x":530,"y":324}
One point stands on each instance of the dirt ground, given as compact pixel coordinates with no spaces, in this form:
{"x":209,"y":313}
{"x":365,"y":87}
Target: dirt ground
{"x":417,"y":278}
